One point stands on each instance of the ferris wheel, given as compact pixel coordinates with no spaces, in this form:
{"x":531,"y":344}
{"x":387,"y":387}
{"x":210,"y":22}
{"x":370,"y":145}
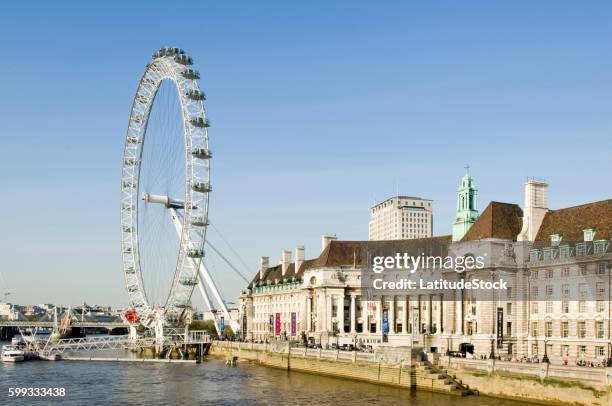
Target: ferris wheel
{"x":165,"y":191}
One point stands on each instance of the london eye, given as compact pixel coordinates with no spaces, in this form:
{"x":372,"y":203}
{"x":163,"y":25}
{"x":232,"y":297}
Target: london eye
{"x":165,"y":192}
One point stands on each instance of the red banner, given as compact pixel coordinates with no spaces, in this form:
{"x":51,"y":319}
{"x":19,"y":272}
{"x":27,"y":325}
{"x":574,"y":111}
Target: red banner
{"x":277,"y":325}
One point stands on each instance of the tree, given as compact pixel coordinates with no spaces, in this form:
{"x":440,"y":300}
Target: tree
{"x":228,"y":332}
{"x":209,"y":327}
{"x":206,"y":325}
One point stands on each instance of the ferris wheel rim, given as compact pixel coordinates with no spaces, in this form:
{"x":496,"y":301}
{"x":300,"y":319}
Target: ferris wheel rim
{"x":168,"y":64}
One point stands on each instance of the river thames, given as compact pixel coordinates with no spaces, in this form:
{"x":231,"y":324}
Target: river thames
{"x":210,"y":382}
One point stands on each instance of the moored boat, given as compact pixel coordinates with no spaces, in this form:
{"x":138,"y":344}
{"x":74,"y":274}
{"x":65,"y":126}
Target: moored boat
{"x":12,"y":353}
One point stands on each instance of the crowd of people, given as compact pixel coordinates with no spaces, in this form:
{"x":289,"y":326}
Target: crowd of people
{"x":529,"y":360}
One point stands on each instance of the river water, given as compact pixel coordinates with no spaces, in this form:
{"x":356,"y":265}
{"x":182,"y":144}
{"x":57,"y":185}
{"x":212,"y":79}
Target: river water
{"x":210,"y":382}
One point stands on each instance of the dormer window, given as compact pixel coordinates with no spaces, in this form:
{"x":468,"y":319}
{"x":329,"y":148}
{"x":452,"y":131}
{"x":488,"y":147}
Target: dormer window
{"x":534,"y":255}
{"x":555,"y":239}
{"x":589,"y":234}
{"x":600,"y":247}
{"x":564,"y":251}
{"x":549,"y":253}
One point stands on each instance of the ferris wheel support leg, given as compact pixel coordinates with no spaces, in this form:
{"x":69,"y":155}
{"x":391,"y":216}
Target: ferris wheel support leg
{"x":133,"y":333}
{"x":159,"y":334}
{"x":205,"y":275}
{"x":208,"y":304}
{"x":179,"y":229}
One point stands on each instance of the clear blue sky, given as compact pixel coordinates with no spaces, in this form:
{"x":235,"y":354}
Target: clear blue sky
{"x":318,"y":110}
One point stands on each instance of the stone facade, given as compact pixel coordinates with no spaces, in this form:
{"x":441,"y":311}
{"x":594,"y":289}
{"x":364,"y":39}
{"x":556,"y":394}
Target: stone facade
{"x":558,"y":301}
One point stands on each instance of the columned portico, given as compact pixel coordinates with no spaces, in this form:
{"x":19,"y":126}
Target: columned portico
{"x":379,"y":313}
{"x":459,"y":312}
{"x":352,"y":313}
{"x":439,"y":325}
{"x":328,"y":307}
{"x":340,"y":312}
{"x":429,"y":314}
{"x":391,"y":321}
{"x":420,"y":321}
{"x":364,"y":318}
{"x":406,"y":314}
{"x":321,"y":308}
{"x":309,"y":313}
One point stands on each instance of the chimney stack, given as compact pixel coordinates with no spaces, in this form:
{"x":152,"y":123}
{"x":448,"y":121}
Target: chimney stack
{"x":536,"y":206}
{"x":285,"y":261}
{"x":326,"y":239}
{"x":263,"y":267}
{"x":299,"y":257}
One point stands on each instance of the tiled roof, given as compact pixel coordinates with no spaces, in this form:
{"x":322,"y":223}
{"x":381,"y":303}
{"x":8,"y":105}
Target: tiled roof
{"x":571,"y":221}
{"x":352,"y":253}
{"x":498,"y":220}
{"x":276,"y":272}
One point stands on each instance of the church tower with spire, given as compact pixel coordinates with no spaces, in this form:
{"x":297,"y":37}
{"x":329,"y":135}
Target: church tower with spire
{"x":466,"y":206}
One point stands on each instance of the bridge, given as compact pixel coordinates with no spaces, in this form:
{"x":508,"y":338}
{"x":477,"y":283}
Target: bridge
{"x":49,"y":324}
{"x":51,"y":348}
{"x":173,"y":340}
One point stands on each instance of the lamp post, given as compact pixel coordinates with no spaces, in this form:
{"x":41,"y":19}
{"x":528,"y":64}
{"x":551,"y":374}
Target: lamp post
{"x":492,"y":354}
{"x":545,"y":357}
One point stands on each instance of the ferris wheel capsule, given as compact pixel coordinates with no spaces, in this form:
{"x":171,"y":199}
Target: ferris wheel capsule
{"x":195,"y":94}
{"x":190,"y":74}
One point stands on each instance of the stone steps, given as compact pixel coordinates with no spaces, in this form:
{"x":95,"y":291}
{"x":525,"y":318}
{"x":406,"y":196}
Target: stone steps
{"x":434,"y":378}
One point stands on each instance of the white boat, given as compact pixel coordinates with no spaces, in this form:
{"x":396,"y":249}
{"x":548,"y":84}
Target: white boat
{"x":12,"y":353}
{"x":18,"y":341}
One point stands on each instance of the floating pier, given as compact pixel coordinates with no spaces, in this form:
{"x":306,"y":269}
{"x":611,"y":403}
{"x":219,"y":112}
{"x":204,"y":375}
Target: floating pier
{"x":116,"y":359}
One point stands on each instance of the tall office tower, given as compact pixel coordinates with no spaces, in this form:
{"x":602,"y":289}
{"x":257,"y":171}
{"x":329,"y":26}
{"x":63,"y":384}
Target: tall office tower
{"x":401,"y":218}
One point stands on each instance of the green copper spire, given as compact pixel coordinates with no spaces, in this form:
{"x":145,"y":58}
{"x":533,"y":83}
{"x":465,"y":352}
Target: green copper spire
{"x":466,"y":206}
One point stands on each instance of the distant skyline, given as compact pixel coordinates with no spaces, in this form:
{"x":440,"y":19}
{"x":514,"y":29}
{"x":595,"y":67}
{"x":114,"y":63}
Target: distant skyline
{"x":318,"y":110}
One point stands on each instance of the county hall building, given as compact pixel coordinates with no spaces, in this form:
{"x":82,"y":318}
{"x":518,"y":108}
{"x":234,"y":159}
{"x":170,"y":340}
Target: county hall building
{"x":557,"y":265}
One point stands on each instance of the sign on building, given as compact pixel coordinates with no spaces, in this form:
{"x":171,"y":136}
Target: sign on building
{"x":385,"y":325}
{"x":277,"y":325}
{"x":500,"y":327}
{"x":415,"y":323}
{"x":293,"y":324}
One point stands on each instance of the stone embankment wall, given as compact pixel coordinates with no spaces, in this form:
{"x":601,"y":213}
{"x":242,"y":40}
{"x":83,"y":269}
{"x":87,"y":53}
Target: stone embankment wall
{"x":536,"y":383}
{"x":542,"y":383}
{"x":394,"y":368}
